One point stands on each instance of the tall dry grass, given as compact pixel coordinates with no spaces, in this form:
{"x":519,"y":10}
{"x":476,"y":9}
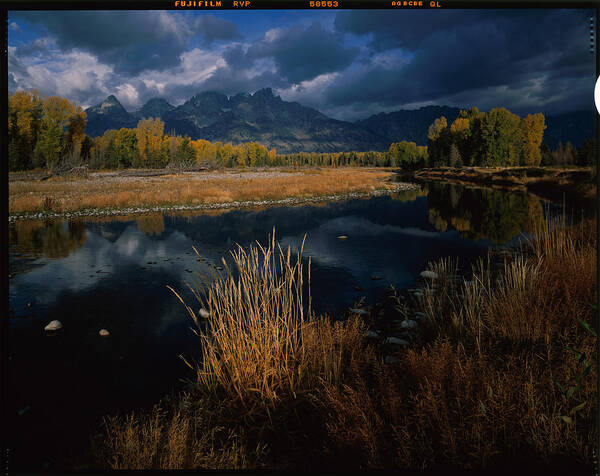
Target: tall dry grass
{"x":260,"y":338}
{"x":279,"y":388}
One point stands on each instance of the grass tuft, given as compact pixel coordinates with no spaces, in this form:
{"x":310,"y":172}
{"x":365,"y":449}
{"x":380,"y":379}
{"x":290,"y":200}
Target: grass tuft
{"x":503,"y":375}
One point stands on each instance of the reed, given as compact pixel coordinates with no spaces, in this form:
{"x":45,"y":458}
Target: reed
{"x":260,"y":339}
{"x":490,"y":383}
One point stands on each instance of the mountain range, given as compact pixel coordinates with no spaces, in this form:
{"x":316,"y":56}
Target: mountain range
{"x":290,"y":127}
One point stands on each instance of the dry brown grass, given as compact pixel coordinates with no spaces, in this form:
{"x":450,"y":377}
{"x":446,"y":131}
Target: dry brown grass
{"x":260,"y":340}
{"x":279,"y":388}
{"x":107,"y":191}
{"x":174,"y":438}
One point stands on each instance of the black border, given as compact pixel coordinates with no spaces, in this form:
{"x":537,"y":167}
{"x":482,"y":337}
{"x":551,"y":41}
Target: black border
{"x":228,"y":5}
{"x":291,"y":4}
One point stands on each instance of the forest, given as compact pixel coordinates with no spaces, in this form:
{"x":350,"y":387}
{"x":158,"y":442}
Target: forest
{"x":49,"y":133}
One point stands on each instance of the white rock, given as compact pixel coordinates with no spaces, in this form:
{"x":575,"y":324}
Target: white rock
{"x":372,"y":334}
{"x":390,"y":359}
{"x":359,"y":311}
{"x":342,"y":237}
{"x":408,"y":324}
{"x":204,"y":314}
{"x":396,"y":341}
{"x":418,"y":294}
{"x":104,"y":333}
{"x":53,"y":326}
{"x":429,"y":275}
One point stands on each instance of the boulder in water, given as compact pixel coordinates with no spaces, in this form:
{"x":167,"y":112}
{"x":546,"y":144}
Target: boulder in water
{"x":359,"y":311}
{"x":408,"y":324}
{"x":104,"y":333}
{"x":429,"y":275}
{"x":342,"y":237}
{"x":395,"y":341}
{"x":204,"y":313}
{"x":53,"y":326}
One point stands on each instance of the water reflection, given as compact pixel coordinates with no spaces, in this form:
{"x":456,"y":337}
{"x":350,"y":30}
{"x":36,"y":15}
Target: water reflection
{"x":484,"y":213}
{"x":112,"y":273}
{"x":152,"y":225}
{"x":53,"y":239}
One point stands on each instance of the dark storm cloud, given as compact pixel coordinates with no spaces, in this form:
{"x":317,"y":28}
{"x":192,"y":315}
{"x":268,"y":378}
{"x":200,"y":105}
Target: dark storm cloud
{"x":212,"y":28}
{"x":131,"y":42}
{"x":237,"y":58}
{"x":455,"y":52}
{"x":525,"y":60}
{"x":299,"y":53}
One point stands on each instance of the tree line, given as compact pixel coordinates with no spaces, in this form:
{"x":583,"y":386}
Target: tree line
{"x":42,"y":132}
{"x":499,"y":138}
{"x":496,"y":138}
{"x":49,"y":132}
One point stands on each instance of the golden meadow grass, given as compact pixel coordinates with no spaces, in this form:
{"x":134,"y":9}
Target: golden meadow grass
{"x":490,"y":383}
{"x":106,"y":191}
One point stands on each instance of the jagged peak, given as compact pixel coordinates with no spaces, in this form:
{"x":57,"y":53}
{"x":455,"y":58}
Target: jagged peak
{"x":111,"y":100}
{"x":209,"y":94}
{"x":157,"y":100}
{"x":264,"y":92}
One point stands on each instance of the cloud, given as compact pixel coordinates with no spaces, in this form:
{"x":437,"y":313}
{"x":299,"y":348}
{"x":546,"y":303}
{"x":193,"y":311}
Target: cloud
{"x":483,"y":56}
{"x":76,"y":75}
{"x":212,"y":28}
{"x":130,"y":41}
{"x":350,"y":66}
{"x":39,"y":46}
{"x":14,"y":27}
{"x":299,"y":53}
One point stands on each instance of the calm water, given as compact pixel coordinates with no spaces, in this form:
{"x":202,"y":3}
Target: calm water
{"x":113,"y":274}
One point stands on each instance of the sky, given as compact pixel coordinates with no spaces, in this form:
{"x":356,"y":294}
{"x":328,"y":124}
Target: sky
{"x":349,"y":64}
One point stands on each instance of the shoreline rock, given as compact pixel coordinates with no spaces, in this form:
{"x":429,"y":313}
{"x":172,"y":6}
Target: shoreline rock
{"x":53,"y":326}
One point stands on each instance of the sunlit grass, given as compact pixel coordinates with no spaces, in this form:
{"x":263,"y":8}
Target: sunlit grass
{"x":103,"y":191}
{"x":277,"y":387}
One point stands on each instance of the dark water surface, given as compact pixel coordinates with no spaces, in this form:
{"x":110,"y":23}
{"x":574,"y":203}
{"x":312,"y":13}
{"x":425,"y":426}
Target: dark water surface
{"x":113,"y":274}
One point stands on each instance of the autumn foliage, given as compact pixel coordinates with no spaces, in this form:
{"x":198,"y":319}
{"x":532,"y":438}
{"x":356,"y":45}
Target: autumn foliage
{"x":42,"y":131}
{"x":496,"y":138}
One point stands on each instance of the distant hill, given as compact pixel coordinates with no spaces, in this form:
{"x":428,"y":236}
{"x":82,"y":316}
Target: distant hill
{"x":290,"y":127}
{"x":574,"y":127}
{"x":408,"y":125}
{"x":412,"y":125}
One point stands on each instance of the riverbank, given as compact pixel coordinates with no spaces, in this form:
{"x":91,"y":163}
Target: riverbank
{"x":482,"y":372}
{"x":542,"y":181}
{"x":109,"y":193}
